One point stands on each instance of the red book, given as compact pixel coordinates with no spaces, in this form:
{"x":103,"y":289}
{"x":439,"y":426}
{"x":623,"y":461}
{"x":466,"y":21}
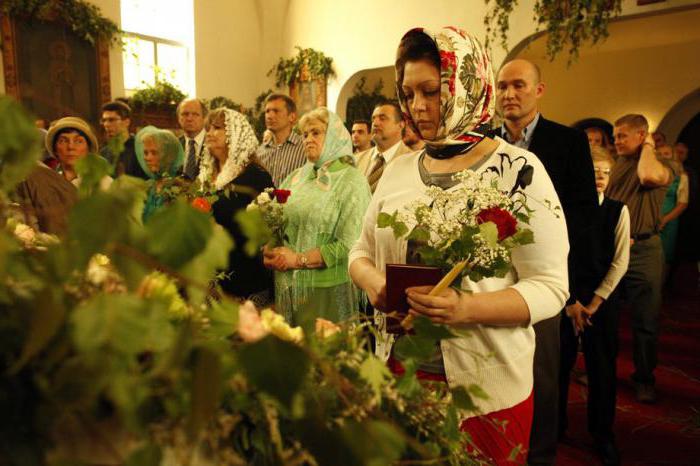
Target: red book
{"x":398,"y":278}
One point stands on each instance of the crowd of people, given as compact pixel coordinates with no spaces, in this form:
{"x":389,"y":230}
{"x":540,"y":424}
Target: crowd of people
{"x":621,"y":204}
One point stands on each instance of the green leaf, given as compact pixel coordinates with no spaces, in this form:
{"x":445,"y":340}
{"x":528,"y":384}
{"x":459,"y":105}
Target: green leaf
{"x":147,"y":455}
{"x":123,"y":323}
{"x":47,"y":317}
{"x":223,"y":318}
{"x":424,"y":327}
{"x":408,"y":384}
{"x":489,"y":231}
{"x":419,"y":234}
{"x":416,"y":347}
{"x":377,"y":443}
{"x":384,"y":220}
{"x":462,"y":399}
{"x":206,"y":389}
{"x":19,"y":145}
{"x":92,"y":169}
{"x":375,"y":372}
{"x":478,"y":392}
{"x":451,"y":427}
{"x":178,"y":233}
{"x":203,"y":267}
{"x":524,"y":236}
{"x":255,"y":229}
{"x":276,"y":367}
{"x":514,"y":455}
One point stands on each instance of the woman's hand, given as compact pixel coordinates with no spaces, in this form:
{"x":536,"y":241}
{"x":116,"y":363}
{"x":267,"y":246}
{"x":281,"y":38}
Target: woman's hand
{"x":449,"y":307}
{"x":580,"y":315}
{"x":376,"y":293}
{"x":269,"y":257}
{"x":285,"y":259}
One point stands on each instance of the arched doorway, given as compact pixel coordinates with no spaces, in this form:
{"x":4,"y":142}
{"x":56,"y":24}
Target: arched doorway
{"x":690,"y":135}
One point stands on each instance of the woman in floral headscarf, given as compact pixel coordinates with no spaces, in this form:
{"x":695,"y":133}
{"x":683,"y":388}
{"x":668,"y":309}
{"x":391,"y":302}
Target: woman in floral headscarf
{"x":230,"y":170}
{"x":324,"y":217}
{"x":445,"y":87}
{"x":160,"y":155}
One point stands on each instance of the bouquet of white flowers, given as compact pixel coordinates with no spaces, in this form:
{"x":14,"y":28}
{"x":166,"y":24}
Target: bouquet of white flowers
{"x":270,"y":204}
{"x":469,"y":230}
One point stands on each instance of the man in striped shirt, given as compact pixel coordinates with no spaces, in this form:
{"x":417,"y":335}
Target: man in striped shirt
{"x":284,"y":152}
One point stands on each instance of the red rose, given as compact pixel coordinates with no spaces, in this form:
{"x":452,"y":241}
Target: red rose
{"x":201,"y":204}
{"x":503,"y":219}
{"x":281,"y":195}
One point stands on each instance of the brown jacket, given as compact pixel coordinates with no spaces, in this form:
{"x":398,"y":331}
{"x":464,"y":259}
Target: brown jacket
{"x":46,"y":199}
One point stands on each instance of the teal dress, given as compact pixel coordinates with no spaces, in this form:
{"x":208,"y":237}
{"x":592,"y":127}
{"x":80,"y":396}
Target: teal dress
{"x":670,"y":231}
{"x":172,"y":156}
{"x":325,"y":211}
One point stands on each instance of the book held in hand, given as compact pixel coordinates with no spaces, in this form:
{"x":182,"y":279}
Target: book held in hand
{"x":398,"y":278}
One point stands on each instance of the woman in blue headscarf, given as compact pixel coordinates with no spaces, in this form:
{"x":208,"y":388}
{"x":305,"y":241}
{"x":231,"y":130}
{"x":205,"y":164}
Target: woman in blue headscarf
{"x":324,"y":214}
{"x":160,"y":155}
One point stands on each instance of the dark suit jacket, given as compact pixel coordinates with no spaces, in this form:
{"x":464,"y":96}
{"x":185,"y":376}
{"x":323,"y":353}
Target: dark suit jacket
{"x":566,"y":156}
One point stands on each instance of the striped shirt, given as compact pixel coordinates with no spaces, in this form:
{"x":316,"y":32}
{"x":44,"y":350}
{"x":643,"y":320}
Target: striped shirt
{"x":282,"y":160}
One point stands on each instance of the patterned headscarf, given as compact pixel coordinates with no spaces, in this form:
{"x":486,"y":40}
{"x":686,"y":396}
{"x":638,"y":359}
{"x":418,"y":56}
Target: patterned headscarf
{"x":241,"y":142}
{"x":172,"y":154}
{"x":466,"y":92}
{"x":336,"y":145}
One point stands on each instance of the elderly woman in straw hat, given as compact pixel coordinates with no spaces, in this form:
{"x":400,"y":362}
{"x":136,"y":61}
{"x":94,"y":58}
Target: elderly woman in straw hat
{"x":69,"y":140}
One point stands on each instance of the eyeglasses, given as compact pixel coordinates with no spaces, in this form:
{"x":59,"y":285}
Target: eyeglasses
{"x":601,"y":171}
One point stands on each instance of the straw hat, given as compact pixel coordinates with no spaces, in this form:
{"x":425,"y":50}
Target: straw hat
{"x":72,"y":123}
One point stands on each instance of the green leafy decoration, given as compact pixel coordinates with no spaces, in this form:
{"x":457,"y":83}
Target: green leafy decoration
{"x":206,"y":389}
{"x":375,"y":372}
{"x":462,"y":399}
{"x":385,"y":220}
{"x":203,"y":267}
{"x":147,"y":455}
{"x":19,"y":144}
{"x":286,"y":367}
{"x":307,"y":64}
{"x":177,"y":234}
{"x":569,"y":23}
{"x":47,"y":316}
{"x":489,"y":232}
{"x":424,"y":327}
{"x":478,"y":392}
{"x":255,"y":229}
{"x":122,"y":324}
{"x":83,"y":18}
{"x":92,"y":169}
{"x":416,"y":347}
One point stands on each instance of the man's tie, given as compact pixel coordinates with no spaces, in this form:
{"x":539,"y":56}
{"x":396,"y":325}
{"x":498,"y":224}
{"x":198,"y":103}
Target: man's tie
{"x":191,"y":166}
{"x":376,"y":172}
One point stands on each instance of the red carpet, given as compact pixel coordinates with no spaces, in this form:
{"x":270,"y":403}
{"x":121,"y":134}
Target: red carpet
{"x":667,"y":432}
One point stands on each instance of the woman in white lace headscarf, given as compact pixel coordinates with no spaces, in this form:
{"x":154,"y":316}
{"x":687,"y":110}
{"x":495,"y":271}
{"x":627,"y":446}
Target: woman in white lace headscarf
{"x":229,"y":169}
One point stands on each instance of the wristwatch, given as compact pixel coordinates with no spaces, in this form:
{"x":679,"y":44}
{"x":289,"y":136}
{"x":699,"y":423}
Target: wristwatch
{"x":303,"y":260}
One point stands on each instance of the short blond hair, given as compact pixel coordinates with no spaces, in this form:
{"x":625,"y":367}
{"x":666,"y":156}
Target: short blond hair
{"x":319,"y":114}
{"x":601,"y":154}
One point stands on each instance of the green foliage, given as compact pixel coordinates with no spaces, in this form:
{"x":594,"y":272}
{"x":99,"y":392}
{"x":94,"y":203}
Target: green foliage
{"x":83,"y":18}
{"x":306,"y":65}
{"x":90,"y":339}
{"x":282,"y":381}
{"x":19,"y":144}
{"x":570,"y":23}
{"x":162,"y":95}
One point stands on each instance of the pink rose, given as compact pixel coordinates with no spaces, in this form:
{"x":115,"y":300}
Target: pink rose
{"x":250,"y":326}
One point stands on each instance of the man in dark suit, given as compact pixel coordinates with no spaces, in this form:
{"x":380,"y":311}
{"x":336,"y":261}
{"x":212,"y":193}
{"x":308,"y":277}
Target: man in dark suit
{"x":191,"y":114}
{"x":566,"y":157}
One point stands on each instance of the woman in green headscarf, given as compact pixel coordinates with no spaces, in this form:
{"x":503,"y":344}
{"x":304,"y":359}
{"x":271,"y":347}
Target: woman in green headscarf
{"x":160,"y":155}
{"x":324,"y":214}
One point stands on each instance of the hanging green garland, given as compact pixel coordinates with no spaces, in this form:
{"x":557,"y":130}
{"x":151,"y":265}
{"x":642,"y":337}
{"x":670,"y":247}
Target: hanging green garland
{"x":568,"y":23}
{"x":83,"y":18}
